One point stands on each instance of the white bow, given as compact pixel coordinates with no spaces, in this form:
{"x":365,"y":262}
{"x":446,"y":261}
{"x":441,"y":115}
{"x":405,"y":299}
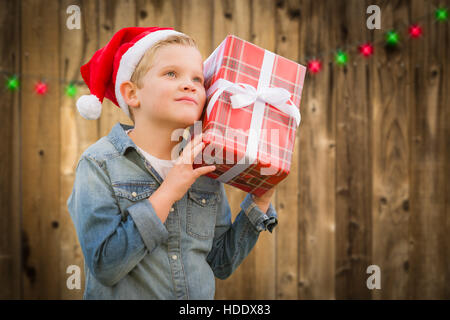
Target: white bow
{"x":244,"y":95}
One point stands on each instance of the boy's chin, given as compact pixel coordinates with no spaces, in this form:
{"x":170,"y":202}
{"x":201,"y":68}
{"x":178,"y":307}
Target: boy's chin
{"x":186,"y":120}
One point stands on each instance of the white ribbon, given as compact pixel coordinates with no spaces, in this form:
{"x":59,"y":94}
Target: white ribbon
{"x":244,"y":95}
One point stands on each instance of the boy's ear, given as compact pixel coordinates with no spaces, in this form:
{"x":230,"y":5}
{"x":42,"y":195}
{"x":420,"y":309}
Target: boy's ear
{"x":128,"y":91}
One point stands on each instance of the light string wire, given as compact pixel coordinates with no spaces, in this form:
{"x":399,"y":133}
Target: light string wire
{"x":348,"y":49}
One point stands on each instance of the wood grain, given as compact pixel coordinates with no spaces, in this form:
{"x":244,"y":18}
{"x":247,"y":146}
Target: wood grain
{"x":370,"y":177}
{"x":287,"y":253}
{"x":390,"y":144}
{"x":10,"y":182}
{"x":353,"y":158}
{"x":429,"y":259}
{"x":40,"y":150}
{"x":317,"y":157}
{"x":77,"y":133}
{"x":263,"y":35}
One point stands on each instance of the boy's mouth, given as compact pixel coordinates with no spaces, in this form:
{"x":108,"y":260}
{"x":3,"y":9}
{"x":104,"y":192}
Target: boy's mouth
{"x":186,"y":100}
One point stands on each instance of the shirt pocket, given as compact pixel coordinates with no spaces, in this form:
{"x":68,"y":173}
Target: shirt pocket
{"x":130,"y":192}
{"x":201,"y":213}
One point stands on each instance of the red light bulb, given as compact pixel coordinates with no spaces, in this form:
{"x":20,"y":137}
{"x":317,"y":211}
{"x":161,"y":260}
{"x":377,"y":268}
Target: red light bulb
{"x":415,"y":31}
{"x":41,"y":88}
{"x":366,"y":49}
{"x":314,"y":66}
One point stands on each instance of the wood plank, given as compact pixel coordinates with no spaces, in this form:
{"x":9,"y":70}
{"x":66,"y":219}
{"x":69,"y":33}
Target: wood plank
{"x":388,"y":93}
{"x":444,"y":34}
{"x":77,"y":133}
{"x":158,"y":13}
{"x":353,"y":161}
{"x":287,"y":253}
{"x":429,"y":265}
{"x":40,"y":150}
{"x":10,"y":161}
{"x":317,"y":156}
{"x":231,"y":17}
{"x":196,"y":21}
{"x":264,"y":252}
{"x":113,"y":16}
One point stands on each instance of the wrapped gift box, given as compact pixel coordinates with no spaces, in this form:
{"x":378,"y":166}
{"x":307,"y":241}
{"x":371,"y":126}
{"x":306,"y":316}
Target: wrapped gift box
{"x":252,"y":113}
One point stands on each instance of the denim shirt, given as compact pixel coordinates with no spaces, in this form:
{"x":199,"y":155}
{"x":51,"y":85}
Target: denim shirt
{"x":129,"y":253}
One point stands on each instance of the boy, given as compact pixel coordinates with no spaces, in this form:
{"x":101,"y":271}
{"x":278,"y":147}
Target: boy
{"x":151,"y":227}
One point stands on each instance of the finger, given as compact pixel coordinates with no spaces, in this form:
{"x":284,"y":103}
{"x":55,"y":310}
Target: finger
{"x":196,"y":140}
{"x":189,"y":155}
{"x":189,"y":149}
{"x":204,"y":170}
{"x":197,"y":149}
{"x":192,"y":143}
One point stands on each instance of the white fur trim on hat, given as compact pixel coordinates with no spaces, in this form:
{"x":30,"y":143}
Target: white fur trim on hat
{"x":131,"y":58}
{"x":89,"y":106}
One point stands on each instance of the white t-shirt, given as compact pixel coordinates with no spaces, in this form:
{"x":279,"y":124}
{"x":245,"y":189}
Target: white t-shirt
{"x":160,"y":165}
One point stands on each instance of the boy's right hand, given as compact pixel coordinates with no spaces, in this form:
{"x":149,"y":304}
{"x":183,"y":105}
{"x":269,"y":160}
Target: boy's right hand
{"x":182,"y":175}
{"x":179,"y":179}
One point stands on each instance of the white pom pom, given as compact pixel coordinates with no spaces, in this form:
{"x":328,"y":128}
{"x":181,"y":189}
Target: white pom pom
{"x":89,"y":106}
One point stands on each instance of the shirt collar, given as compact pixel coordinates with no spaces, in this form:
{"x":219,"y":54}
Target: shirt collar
{"x":120,"y":139}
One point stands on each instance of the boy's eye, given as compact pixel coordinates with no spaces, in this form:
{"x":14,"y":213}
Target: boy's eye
{"x":198,"y":79}
{"x":171,"y":73}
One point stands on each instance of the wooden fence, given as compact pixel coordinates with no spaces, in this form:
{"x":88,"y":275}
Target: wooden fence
{"x":370,"y":180}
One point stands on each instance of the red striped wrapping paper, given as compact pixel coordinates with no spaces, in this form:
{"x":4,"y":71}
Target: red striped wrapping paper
{"x":225,"y":130}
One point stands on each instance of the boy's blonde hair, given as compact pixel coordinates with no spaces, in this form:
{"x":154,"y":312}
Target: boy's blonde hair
{"x":147,"y":59}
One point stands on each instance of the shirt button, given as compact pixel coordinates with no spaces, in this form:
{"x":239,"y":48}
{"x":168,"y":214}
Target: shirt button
{"x":172,"y":209}
{"x":174,"y":257}
{"x":203,"y":201}
{"x":134,"y":194}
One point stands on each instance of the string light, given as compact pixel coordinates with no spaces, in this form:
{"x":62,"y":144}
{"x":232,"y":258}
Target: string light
{"x":441,"y":14}
{"x":392,"y":38}
{"x":415,"y":31}
{"x":366,"y":49}
{"x":341,"y":58}
{"x":41,"y":88}
{"x":12,"y":83}
{"x":71,"y":90}
{"x":314,"y":66}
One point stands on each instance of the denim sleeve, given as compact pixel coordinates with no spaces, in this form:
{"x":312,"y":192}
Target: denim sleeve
{"x":234,"y":241}
{"x":111,"y":246}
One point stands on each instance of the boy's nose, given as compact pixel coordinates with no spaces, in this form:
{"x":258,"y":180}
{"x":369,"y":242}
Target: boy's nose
{"x":188,"y":86}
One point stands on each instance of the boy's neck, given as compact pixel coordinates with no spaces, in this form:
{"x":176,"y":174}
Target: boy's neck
{"x":153,"y":139}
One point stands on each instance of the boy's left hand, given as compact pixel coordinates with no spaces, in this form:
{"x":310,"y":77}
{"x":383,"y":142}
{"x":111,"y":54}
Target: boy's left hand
{"x":263,"y":202}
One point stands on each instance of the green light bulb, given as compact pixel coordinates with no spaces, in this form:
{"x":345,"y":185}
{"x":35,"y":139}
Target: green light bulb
{"x":341,"y":58}
{"x":71,"y":90}
{"x":12,"y":83}
{"x":392,"y":38}
{"x":441,"y":14}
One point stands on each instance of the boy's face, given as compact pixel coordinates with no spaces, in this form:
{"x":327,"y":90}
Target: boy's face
{"x":172,"y":90}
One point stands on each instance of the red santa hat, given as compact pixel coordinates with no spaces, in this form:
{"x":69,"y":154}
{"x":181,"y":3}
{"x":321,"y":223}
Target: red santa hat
{"x":115,"y":63}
